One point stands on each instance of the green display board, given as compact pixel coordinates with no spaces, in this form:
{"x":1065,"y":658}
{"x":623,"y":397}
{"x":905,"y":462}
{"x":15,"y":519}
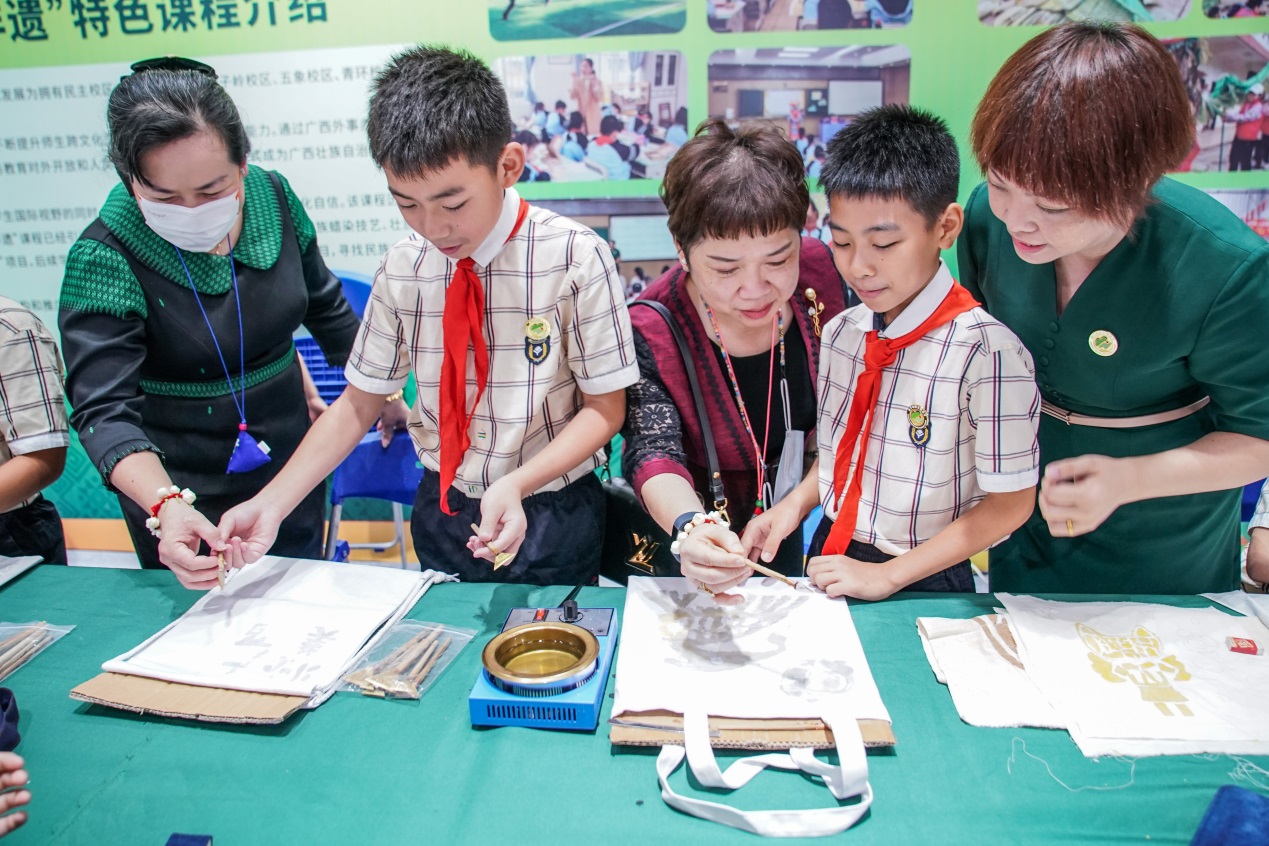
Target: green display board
{"x":300,"y":70}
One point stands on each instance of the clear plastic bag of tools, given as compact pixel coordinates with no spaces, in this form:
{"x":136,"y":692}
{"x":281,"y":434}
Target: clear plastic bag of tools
{"x":20,"y":642}
{"x":407,"y":660}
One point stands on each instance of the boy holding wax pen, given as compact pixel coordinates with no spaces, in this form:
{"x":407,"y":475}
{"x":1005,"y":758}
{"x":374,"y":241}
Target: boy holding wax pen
{"x":513,"y":321}
{"x":928,"y":406}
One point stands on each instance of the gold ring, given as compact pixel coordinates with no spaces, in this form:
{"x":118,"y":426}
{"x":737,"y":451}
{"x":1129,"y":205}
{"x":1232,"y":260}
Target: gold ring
{"x":704,"y":588}
{"x":1070,"y":529}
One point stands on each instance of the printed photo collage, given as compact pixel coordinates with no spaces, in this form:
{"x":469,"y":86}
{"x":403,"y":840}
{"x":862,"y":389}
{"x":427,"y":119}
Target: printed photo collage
{"x":599,"y":115}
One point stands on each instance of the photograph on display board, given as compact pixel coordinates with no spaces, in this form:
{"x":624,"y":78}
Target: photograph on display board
{"x":597,"y":116}
{"x":637,"y":230}
{"x":817,"y":222}
{"x":1235,"y":8}
{"x":1032,"y":13}
{"x":789,"y":15}
{"x":810,"y":92}
{"x":517,"y":20}
{"x":1225,"y":79}
{"x":1252,"y":206}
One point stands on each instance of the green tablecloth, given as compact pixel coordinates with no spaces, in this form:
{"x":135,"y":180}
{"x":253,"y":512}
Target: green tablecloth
{"x":366,"y":771}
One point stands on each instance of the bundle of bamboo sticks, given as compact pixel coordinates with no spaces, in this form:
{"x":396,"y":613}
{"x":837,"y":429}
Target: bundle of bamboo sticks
{"x":19,"y":648}
{"x":402,"y":673}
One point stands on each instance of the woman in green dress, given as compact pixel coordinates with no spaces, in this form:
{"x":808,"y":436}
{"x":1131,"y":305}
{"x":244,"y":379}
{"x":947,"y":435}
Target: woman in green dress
{"x":1142,"y":302}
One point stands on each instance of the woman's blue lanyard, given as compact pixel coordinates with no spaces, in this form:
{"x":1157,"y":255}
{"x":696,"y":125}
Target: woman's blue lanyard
{"x":247,"y":454}
{"x":241,"y":405}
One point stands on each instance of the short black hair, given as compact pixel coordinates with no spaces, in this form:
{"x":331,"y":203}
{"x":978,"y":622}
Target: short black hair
{"x":576,"y":121}
{"x":560,"y":104}
{"x":526,"y":138}
{"x":434,"y":105}
{"x":152,"y":108}
{"x":610,"y":124}
{"x":895,"y":152}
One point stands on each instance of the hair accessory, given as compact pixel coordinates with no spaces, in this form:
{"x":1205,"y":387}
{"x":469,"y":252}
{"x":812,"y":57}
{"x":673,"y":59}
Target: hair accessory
{"x":171,"y":63}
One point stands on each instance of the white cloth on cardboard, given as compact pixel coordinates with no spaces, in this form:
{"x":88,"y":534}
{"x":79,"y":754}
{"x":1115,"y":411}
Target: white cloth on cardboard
{"x":281,"y":625}
{"x":978,"y":661}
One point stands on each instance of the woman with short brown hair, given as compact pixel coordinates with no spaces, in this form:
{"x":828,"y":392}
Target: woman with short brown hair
{"x":750,"y":295}
{"x":1142,"y":301}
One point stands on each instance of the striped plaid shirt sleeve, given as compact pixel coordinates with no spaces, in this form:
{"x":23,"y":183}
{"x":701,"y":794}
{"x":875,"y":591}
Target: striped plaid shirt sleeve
{"x":1260,"y":520}
{"x":32,"y":399}
{"x":380,"y":358}
{"x":1004,"y":408}
{"x":601,"y":343}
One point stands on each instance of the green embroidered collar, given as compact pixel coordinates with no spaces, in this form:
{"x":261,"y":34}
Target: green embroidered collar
{"x":258,"y":246}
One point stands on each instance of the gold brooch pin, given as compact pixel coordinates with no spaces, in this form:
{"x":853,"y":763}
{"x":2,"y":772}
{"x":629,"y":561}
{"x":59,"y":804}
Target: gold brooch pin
{"x":816,"y":308}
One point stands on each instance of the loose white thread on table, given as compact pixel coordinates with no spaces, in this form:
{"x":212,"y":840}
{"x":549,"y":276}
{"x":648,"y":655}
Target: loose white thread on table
{"x":1245,"y":771}
{"x":1019,"y":743}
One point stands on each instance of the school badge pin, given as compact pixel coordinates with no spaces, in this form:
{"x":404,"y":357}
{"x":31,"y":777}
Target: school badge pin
{"x":537,"y":339}
{"x":1103,"y":343}
{"x":918,"y":425}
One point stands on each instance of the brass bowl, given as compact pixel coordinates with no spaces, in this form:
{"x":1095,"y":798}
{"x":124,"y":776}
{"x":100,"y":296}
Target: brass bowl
{"x":541,"y":655}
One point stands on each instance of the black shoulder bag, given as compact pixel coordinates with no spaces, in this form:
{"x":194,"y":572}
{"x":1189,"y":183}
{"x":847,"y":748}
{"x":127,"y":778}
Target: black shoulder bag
{"x":633,"y":543}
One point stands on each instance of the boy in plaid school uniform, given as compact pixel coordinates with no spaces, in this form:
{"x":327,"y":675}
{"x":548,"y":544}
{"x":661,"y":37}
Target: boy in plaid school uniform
{"x":513,"y":321}
{"x":927,"y":405}
{"x":34,"y":435}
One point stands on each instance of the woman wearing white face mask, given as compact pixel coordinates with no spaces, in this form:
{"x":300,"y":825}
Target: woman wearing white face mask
{"x":177,"y":310}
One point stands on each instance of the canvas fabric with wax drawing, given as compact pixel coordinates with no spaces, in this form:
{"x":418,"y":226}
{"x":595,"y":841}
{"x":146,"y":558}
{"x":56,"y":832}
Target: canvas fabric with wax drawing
{"x":768,"y":668}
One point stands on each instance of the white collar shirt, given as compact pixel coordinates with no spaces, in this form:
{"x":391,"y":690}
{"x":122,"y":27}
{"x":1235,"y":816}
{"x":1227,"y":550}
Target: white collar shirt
{"x":973,"y":382}
{"x":554,"y":270}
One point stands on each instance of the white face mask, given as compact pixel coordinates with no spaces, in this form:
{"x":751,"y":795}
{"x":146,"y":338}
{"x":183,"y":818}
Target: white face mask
{"x":196,"y":229}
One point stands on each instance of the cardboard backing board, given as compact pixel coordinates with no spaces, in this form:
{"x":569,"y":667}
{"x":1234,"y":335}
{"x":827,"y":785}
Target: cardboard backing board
{"x":661,"y":728}
{"x":187,"y":701}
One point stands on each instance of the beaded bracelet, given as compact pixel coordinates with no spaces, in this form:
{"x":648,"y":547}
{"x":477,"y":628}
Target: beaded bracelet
{"x":699,"y":519}
{"x":152,"y":523}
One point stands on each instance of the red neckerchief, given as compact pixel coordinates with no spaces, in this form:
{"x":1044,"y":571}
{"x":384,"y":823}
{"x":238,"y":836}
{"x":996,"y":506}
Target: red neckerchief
{"x":461,"y":322}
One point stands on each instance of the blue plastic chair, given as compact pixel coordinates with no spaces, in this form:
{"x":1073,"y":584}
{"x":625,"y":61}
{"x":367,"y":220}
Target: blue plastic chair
{"x":809,"y":525}
{"x":373,"y":472}
{"x":370,"y":472}
{"x":330,"y":380}
{"x":1251,"y":496}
